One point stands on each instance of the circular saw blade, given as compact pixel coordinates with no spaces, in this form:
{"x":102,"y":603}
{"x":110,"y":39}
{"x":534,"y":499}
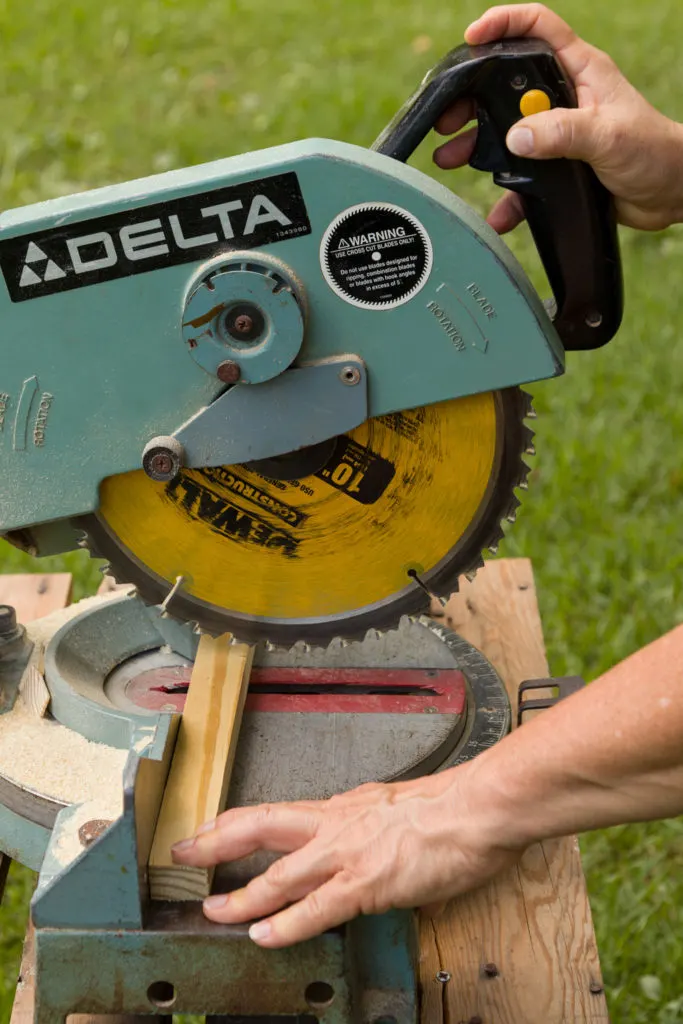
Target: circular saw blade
{"x":329,"y":555}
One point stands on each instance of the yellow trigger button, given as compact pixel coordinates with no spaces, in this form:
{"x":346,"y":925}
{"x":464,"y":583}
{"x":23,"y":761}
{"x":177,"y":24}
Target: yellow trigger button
{"x":535,"y":101}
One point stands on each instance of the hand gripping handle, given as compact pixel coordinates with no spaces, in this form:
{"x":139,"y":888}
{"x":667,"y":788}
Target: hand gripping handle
{"x":570,"y":213}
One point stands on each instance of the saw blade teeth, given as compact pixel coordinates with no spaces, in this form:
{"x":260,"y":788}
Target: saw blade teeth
{"x":513,"y":405}
{"x":269,"y":647}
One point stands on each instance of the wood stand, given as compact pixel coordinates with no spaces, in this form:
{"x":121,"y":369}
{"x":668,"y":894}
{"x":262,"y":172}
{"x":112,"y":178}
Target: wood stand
{"x":522,"y":950}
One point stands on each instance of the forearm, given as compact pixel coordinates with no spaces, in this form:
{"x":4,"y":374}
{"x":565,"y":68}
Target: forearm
{"x":611,"y":754}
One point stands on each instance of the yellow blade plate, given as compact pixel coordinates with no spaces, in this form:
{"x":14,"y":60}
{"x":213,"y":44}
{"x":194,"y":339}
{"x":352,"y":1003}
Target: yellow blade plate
{"x":400,"y":492}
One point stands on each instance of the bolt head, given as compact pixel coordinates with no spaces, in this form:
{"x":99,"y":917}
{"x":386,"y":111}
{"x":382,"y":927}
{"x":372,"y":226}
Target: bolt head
{"x":92,"y":830}
{"x":162,"y":458}
{"x":228,"y":372}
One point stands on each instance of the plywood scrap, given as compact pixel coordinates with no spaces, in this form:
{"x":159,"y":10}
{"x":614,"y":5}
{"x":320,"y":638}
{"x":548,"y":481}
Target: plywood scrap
{"x":198,"y":781}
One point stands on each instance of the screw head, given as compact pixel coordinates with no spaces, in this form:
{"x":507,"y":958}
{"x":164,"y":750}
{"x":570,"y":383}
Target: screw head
{"x":519,"y":82}
{"x":594,"y":318}
{"x":595,"y":988}
{"x":443,"y":976}
{"x":350,"y":375}
{"x":162,"y":458}
{"x":491,"y":970}
{"x":244,"y":324}
{"x":161,"y":464}
{"x":228,"y":372}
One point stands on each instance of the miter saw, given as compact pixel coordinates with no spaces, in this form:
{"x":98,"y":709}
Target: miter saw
{"x":280,"y":395}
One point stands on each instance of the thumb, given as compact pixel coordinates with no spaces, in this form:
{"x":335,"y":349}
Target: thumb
{"x":561,"y":132}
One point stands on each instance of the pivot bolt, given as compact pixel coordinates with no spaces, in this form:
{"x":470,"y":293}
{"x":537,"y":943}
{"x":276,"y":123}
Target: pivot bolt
{"x":245,"y":322}
{"x":162,"y":458}
{"x":92,"y":830}
{"x":350,"y":375}
{"x":229,"y":372}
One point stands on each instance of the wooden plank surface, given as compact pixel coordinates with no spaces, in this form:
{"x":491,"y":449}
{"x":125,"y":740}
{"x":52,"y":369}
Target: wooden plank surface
{"x":35,"y":594}
{"x":534,"y":922}
{"x":197,"y":785}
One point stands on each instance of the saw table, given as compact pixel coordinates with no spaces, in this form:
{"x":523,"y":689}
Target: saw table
{"x":521,"y":949}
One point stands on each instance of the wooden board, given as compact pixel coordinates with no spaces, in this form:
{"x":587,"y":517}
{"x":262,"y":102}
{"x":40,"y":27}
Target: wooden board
{"x":533,"y":923}
{"x":198,"y":781}
{"x":36,"y":594}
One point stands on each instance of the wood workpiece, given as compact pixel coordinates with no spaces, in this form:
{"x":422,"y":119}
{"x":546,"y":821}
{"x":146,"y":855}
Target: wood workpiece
{"x":198,"y":781}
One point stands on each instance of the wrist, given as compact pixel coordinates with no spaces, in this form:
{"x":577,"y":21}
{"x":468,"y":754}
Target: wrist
{"x":674,"y":189}
{"x":487,"y":799}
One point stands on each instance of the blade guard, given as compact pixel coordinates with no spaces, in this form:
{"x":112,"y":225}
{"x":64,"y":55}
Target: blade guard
{"x":103,"y":365}
{"x":570,"y":213}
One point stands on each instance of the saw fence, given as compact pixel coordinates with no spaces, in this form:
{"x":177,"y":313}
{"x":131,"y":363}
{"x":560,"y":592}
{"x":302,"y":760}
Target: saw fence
{"x":522,"y":949}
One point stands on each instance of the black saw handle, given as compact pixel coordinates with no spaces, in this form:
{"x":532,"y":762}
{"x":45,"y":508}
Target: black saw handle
{"x":570,"y":213}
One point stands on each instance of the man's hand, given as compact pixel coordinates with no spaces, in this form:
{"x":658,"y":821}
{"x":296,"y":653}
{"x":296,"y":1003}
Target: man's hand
{"x":377,"y":847}
{"x":635,"y":151}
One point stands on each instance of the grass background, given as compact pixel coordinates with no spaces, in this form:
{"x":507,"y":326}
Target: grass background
{"x":96,"y":93}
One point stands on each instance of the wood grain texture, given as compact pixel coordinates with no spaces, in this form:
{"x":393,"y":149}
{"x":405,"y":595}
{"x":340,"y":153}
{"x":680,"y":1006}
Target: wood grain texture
{"x":198,"y":781}
{"x":35,"y":595}
{"x":534,"y":922}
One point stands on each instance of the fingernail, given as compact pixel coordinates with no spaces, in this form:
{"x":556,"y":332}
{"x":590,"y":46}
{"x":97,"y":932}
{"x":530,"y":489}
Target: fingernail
{"x":215,"y":902}
{"x":260,"y":930}
{"x":520,"y":141}
{"x":206,"y":827}
{"x":184,"y":844}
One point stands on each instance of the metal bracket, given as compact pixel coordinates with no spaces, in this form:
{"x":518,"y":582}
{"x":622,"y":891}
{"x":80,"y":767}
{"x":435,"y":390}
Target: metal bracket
{"x":566,"y":686}
{"x":300,"y":407}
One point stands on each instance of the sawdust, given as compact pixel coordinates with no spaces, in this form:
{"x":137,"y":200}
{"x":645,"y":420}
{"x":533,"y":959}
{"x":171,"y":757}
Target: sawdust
{"x":67,"y":844}
{"x":45,"y":757}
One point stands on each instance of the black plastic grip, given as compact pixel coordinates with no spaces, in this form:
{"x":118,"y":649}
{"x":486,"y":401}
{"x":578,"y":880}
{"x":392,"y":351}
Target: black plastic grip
{"x":570,"y":213}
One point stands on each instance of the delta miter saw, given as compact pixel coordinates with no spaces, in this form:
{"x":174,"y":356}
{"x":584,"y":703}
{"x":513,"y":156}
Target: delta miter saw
{"x":280,"y":395}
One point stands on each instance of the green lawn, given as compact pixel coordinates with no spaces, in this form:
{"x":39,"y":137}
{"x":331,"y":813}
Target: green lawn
{"x":96,"y":93}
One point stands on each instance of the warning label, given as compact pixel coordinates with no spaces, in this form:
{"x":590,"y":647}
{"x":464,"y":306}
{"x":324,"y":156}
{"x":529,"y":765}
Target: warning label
{"x":376,"y":255}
